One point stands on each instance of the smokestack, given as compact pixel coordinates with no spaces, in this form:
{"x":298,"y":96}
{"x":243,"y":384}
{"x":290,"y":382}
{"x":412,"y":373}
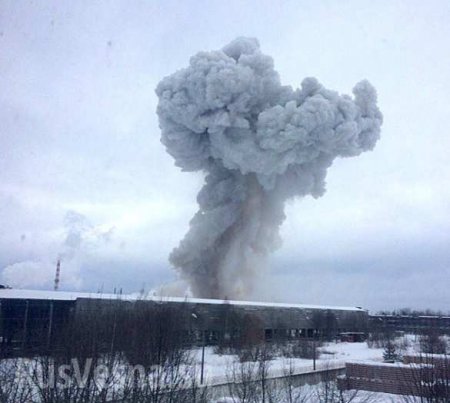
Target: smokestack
{"x":259,"y":144}
{"x":58,"y":270}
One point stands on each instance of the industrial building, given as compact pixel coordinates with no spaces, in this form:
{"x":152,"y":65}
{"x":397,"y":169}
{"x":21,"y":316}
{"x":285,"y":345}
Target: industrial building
{"x":30,"y":318}
{"x":410,"y":323}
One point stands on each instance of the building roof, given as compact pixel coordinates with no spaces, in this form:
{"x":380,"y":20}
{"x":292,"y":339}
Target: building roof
{"x":11,"y":293}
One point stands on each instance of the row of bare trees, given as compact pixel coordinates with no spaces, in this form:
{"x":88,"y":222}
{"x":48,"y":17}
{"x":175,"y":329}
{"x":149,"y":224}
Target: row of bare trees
{"x":430,"y":378}
{"x":125,"y":352}
{"x":250,"y":382}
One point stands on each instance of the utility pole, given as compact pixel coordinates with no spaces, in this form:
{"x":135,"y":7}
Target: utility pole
{"x":200,"y":322}
{"x":50,"y":325}
{"x":25,"y":326}
{"x":203,"y":357}
{"x":314,"y":351}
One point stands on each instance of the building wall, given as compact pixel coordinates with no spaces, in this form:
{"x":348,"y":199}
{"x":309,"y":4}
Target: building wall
{"x":219,"y":319}
{"x":409,"y":323}
{"x":31,"y":323}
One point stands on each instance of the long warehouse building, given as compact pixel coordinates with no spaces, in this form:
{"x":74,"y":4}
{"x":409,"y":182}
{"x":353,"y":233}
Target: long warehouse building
{"x":31,"y":317}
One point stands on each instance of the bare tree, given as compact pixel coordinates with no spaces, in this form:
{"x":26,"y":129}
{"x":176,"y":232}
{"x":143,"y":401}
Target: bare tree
{"x":241,"y":378}
{"x":77,"y":366}
{"x":14,"y":387}
{"x":430,"y":381}
{"x":162,"y":370}
{"x":290,"y":392}
{"x":431,"y":342}
{"x":131,"y":352}
{"x":329,"y":390}
{"x":250,"y":381}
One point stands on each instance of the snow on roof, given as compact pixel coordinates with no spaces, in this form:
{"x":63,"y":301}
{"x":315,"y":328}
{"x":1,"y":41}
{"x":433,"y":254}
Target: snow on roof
{"x":72,"y":296}
{"x":12,"y":293}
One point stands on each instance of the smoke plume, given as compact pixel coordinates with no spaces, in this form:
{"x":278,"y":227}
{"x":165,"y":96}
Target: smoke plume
{"x":76,"y":239}
{"x":259,"y":143}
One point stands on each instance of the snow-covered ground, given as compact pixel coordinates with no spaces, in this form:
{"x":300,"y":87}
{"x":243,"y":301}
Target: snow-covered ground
{"x":332,"y":355}
{"x":218,"y":368}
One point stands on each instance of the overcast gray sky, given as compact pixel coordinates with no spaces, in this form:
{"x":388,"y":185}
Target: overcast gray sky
{"x":84,"y":176}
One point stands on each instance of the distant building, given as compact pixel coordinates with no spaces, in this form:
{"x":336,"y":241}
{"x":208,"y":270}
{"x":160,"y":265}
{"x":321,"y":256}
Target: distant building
{"x":410,"y":323}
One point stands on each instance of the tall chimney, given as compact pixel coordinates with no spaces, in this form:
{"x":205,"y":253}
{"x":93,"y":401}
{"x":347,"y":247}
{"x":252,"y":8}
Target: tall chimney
{"x":58,"y":269}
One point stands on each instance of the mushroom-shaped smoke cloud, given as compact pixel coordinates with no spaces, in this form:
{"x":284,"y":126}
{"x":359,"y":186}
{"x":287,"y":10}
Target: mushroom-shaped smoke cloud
{"x":259,"y":144}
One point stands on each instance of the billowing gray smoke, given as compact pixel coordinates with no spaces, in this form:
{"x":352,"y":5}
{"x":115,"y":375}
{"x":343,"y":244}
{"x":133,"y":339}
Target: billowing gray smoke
{"x":259,"y":143}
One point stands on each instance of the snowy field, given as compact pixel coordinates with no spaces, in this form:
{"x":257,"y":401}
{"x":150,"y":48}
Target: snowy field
{"x":218,"y":371}
{"x":310,"y":394}
{"x":332,"y":355}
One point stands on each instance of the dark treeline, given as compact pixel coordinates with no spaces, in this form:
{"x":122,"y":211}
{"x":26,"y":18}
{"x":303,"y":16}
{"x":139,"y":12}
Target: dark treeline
{"x":127,"y":352}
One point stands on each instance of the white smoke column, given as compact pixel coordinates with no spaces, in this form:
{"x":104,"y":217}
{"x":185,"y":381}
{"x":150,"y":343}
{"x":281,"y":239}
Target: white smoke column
{"x":80,"y":238}
{"x":259,"y":143}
